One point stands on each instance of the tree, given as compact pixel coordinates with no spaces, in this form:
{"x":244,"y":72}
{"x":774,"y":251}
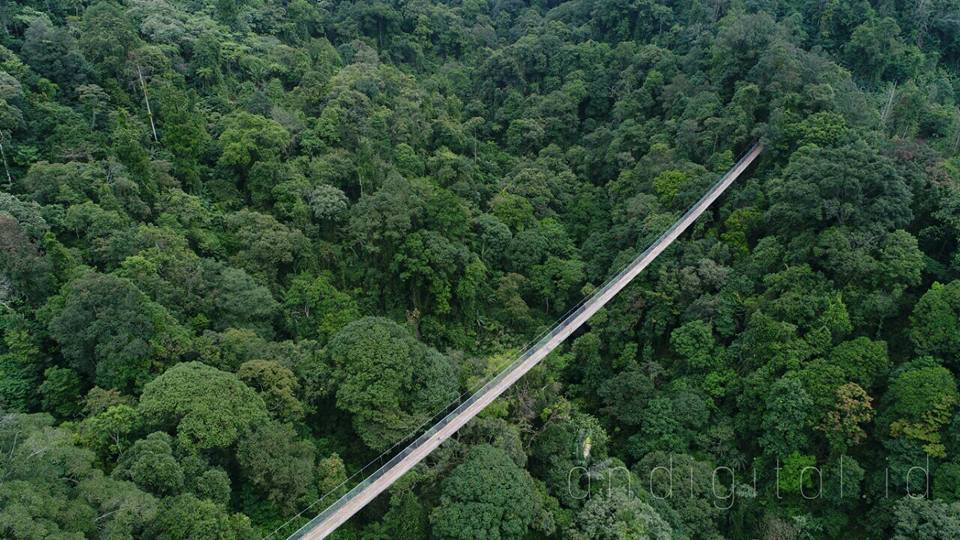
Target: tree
{"x":205,"y":407}
{"x":668,"y":183}
{"x":852,"y":185}
{"x":252,"y":148}
{"x":946,"y":483}
{"x":923,"y":519}
{"x":187,"y":518}
{"x":556,"y":280}
{"x":249,"y":138}
{"x":54,"y":52}
{"x":669,"y":422}
{"x":921,"y":400}
{"x":823,"y":129}
{"x":229,"y":349}
{"x":278,"y":464}
{"x":22,"y":234}
{"x":277,"y":386}
{"x":93,"y":98}
{"x":691,"y":503}
{"x":406,"y":518}
{"x":261,"y":245}
{"x":234,"y":299}
{"x":862,"y":360}
{"x":875,"y":51}
{"x":492,"y":238}
{"x":151,"y":465}
{"x":61,"y":392}
{"x":695,"y":343}
{"x":328,"y":203}
{"x":106,"y":36}
{"x":873,"y":273}
{"x":935,"y":322}
{"x":379,"y":222}
{"x":486,"y":496}
{"x":212,"y":485}
{"x":110,"y":332}
{"x":794,"y":478}
{"x":122,"y":510}
{"x":430,"y":264}
{"x":314,"y":309}
{"x":561,"y":447}
{"x":98,"y":400}
{"x":786,"y":417}
{"x":20,"y":362}
{"x":388,"y":381}
{"x":200,"y":291}
{"x":11,"y":115}
{"x":35,"y":494}
{"x":331,"y":476}
{"x":513,"y":210}
{"x":842,"y":425}
{"x":51,"y":488}
{"x":618,"y":514}
{"x":111,"y":431}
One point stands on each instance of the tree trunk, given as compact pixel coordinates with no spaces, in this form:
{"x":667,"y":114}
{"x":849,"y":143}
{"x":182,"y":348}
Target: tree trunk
{"x":146,"y":99}
{"x":956,"y":140}
{"x":886,"y":108}
{"x":3,"y":155}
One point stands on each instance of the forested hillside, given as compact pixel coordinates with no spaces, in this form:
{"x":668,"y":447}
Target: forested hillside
{"x":248,"y":245}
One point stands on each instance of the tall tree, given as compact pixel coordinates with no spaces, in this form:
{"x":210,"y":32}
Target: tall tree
{"x":487,"y":496}
{"x":111,"y":333}
{"x":388,"y":381}
{"x":205,"y":407}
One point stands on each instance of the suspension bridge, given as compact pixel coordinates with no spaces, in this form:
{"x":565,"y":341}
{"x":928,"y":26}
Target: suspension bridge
{"x":360,"y":495}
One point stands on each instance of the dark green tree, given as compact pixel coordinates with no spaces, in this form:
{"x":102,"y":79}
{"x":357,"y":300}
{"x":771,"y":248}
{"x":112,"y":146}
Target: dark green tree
{"x":487,"y":496}
{"x":205,"y":407}
{"x":110,"y":332}
{"x":388,"y":381}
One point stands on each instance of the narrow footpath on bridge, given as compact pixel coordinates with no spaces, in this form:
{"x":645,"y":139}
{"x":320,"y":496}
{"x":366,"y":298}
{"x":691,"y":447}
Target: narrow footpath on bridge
{"x":381,"y":479}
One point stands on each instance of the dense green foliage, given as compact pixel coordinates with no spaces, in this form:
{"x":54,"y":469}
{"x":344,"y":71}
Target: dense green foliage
{"x":247,"y":245}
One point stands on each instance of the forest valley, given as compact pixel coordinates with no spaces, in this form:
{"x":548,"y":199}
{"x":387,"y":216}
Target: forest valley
{"x":248,"y":245}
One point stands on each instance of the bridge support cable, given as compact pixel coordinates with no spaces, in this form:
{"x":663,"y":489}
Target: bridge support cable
{"x":375,"y":484}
